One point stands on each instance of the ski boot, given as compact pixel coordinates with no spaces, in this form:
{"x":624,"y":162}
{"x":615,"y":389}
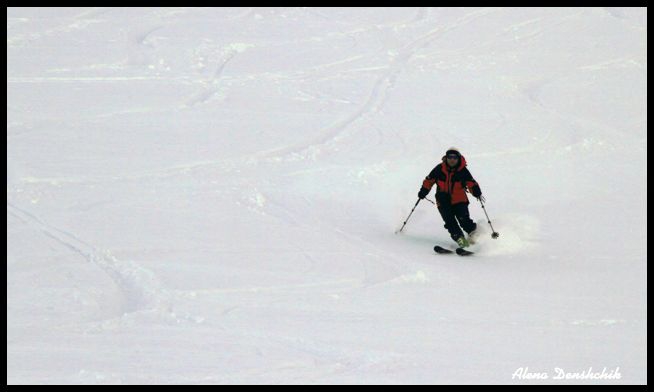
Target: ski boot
{"x":462,"y":242}
{"x":473,"y":236}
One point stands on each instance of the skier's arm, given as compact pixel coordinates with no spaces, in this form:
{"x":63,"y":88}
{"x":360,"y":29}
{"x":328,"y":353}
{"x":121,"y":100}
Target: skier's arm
{"x":472,"y":184}
{"x":427,"y":183}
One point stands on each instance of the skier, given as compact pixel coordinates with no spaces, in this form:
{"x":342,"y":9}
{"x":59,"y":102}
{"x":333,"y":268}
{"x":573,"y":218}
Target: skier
{"x":452,"y":180}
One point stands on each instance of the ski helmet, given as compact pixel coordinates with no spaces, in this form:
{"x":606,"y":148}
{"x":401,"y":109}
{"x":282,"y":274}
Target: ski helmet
{"x":453,"y":151}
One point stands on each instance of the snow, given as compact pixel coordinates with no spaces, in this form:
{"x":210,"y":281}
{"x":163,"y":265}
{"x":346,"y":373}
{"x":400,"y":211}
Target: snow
{"x":209,"y":195}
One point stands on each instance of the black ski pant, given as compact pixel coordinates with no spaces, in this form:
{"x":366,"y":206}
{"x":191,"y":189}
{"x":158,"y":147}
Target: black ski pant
{"x":457,"y":212}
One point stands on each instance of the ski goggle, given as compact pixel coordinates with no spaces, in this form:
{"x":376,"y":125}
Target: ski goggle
{"x":452,"y":157}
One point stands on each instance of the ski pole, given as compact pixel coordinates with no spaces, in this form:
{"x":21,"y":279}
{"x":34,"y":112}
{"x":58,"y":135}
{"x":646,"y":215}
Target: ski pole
{"x":407,"y":218}
{"x":495,"y":234}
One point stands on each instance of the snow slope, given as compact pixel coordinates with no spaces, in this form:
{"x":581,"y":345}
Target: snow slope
{"x":210,"y":195}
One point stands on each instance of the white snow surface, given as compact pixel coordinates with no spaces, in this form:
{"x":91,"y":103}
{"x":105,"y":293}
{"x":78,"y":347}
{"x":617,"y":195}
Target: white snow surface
{"x":210,"y":195}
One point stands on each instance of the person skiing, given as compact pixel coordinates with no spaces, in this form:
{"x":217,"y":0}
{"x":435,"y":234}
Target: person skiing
{"x":453,"y":179}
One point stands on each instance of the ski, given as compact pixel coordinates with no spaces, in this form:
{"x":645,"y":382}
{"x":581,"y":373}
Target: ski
{"x":441,"y":250}
{"x":463,"y":252}
{"x":459,"y":251}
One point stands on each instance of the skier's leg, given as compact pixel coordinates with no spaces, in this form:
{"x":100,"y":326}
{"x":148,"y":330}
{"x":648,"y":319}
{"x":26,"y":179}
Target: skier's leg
{"x":460,"y":210}
{"x":450,"y":221}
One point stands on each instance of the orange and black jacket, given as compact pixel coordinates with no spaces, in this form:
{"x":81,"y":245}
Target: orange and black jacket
{"x":450,"y":181}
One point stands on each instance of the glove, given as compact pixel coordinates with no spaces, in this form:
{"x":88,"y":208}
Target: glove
{"x":476,"y":192}
{"x":423,"y":193}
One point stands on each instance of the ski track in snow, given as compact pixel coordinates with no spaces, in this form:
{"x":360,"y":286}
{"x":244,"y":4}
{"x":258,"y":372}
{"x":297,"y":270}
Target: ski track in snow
{"x":375,"y":100}
{"x":141,"y":289}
